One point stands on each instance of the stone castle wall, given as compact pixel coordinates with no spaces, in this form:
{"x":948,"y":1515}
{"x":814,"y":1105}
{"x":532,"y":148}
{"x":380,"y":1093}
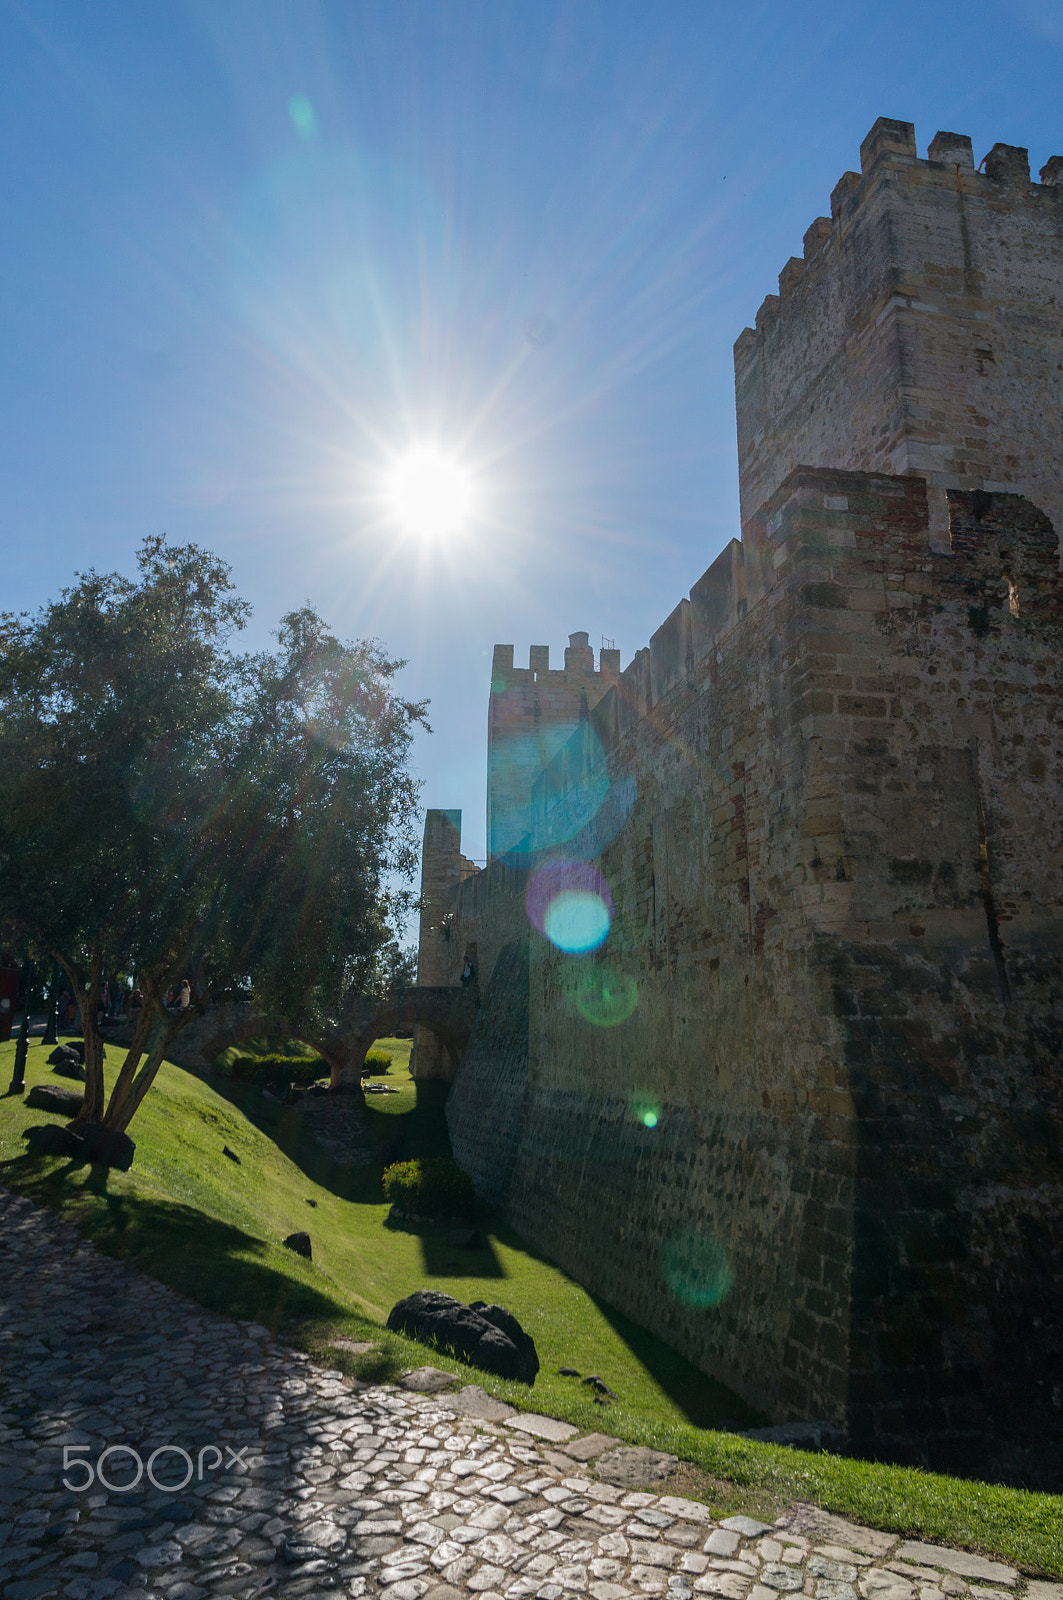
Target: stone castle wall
{"x":532,"y":712}
{"x":839,"y":897}
{"x":801,"y":1113}
{"x":922,"y":330}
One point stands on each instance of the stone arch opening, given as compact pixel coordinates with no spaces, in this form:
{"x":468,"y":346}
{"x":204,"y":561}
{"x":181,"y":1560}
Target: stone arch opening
{"x":220,"y":1028}
{"x":447,"y":1014}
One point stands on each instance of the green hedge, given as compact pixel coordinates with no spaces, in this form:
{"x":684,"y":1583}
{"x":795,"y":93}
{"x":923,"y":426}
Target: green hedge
{"x":432,"y":1187}
{"x":278,"y":1072}
{"x":273,"y":1072}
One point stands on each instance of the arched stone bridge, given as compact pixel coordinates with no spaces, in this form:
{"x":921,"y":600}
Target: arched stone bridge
{"x":446,"y":1012}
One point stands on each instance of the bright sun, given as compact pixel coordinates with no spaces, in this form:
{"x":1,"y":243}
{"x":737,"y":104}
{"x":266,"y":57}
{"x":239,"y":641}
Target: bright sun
{"x":428,"y":493}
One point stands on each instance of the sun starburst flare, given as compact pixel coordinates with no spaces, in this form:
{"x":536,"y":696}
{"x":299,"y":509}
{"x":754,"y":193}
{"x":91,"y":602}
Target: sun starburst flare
{"x":429,"y":493}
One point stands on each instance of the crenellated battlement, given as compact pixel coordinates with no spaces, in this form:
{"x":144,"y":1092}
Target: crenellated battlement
{"x":533,"y":711}
{"x":578,"y":670}
{"x":1006,"y":167}
{"x":919,"y":332}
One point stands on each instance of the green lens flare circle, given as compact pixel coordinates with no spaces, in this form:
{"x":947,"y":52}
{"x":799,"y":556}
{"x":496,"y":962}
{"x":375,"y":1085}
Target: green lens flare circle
{"x":696,"y":1270}
{"x":605,"y":998}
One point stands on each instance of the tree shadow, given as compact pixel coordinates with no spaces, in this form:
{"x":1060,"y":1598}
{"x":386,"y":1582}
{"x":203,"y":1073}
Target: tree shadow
{"x":390,"y":1136}
{"x":219,"y":1266}
{"x":451,"y":1260}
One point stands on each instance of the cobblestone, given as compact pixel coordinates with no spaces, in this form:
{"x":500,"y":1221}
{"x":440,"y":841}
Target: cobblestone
{"x":282,"y":1478}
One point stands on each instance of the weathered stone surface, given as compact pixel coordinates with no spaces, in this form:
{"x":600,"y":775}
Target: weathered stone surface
{"x":823,"y":801}
{"x":807,"y":390}
{"x":427,"y":1380}
{"x":49,"y":1097}
{"x":810,"y":1522}
{"x":958,"y":1561}
{"x":479,"y":1334}
{"x":473,"y":1401}
{"x":633,"y":1465}
{"x":591,"y":1445}
{"x":543,"y":1427}
{"x":746,"y":1526}
{"x":340,"y":1492}
{"x":300,"y":1243}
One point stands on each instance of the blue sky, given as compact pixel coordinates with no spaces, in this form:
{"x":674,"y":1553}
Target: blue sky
{"x":252,"y":249}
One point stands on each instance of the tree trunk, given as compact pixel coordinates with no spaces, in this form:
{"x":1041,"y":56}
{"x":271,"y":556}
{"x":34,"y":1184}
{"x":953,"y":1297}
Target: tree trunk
{"x":123,"y":1086}
{"x":87,"y":998}
{"x":120,"y":1116}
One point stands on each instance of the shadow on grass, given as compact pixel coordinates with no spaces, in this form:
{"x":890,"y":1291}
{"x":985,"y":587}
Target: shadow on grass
{"x":391,"y":1137}
{"x":704,"y":1402}
{"x":219,"y":1266}
{"x":443,"y":1260}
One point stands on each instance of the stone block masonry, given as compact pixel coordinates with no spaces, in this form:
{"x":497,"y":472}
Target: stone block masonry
{"x":921,"y":331}
{"x":533,"y":710}
{"x":821,"y":1150}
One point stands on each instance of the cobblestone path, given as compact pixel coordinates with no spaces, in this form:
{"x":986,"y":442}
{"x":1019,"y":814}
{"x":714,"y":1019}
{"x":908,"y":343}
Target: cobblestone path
{"x":300,"y":1483}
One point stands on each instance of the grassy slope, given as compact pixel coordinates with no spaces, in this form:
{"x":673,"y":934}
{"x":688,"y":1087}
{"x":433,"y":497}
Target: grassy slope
{"x":212,"y":1229}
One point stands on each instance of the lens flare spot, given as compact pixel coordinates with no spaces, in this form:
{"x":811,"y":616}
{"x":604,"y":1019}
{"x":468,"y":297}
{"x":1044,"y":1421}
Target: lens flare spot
{"x":606,"y":998}
{"x":303,"y":116}
{"x":576,"y":921}
{"x":697,"y":1271}
{"x":570,"y":904}
{"x":646,"y":1111}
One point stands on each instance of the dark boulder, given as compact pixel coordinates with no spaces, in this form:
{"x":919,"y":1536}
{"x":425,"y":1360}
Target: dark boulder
{"x":103,"y":1147}
{"x":463,"y":1239}
{"x":49,"y":1139}
{"x":300,"y":1243}
{"x":507,"y":1323}
{"x":488,"y":1337}
{"x":49,"y":1097}
{"x":66,"y":1060}
{"x":90,"y":1141}
{"x":67,"y":1052}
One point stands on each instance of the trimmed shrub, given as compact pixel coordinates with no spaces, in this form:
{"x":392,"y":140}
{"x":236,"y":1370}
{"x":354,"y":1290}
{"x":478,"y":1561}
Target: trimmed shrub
{"x":376,"y":1062}
{"x":278,"y":1072}
{"x":432,"y":1187}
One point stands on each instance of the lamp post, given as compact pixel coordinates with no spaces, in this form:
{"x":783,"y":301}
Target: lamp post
{"x":18,"y":1077}
{"x":51,"y":1026}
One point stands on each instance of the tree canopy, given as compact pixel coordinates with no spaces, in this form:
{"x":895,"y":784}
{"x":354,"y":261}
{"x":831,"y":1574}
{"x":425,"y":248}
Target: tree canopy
{"x":171,"y":807}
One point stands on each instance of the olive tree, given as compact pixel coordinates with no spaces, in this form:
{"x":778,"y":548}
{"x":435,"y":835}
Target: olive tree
{"x":171,"y":807}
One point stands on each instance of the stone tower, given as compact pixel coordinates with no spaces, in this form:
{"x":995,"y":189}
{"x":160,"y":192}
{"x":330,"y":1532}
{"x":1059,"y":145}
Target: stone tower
{"x":533,"y":711}
{"x":921,"y":333}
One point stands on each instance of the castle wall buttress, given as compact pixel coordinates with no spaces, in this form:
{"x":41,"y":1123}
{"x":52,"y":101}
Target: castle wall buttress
{"x":830,"y":1124}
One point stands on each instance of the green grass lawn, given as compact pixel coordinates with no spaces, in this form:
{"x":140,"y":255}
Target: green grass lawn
{"x":212,"y":1229}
